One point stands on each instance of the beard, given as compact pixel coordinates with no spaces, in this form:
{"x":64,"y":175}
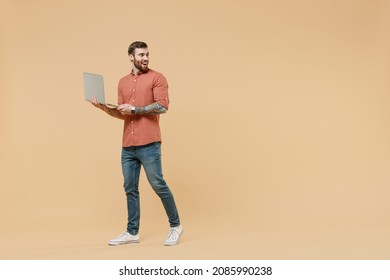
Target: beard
{"x":142,"y":67}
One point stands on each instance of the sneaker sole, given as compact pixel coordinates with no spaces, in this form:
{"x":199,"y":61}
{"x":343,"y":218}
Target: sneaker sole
{"x":172,"y":244}
{"x":122,"y":243}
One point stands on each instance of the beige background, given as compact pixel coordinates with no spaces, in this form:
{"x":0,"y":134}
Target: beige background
{"x":276,"y":144}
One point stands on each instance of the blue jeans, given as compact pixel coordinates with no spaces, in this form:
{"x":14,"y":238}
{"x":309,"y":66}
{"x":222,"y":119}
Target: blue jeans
{"x":149,"y":156}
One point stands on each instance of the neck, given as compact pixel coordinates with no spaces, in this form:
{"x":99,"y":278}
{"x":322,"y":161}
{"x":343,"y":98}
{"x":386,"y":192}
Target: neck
{"x":135,"y":70}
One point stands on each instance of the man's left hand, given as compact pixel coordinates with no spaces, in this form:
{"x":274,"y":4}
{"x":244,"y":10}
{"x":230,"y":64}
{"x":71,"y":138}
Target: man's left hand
{"x":125,"y":109}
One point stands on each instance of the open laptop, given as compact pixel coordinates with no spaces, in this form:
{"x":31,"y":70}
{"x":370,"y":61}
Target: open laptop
{"x":94,"y":86}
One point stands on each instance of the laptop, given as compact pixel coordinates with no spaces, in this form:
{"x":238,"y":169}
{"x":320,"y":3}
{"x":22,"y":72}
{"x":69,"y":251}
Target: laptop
{"x":94,"y":86}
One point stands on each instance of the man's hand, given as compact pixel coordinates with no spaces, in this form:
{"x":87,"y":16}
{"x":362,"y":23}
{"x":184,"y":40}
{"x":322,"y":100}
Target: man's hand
{"x":125,"y":109}
{"x":97,"y":105}
{"x":111,"y":111}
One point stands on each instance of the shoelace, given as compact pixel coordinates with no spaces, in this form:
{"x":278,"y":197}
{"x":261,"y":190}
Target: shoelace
{"x":123,"y":234}
{"x":171,"y":232}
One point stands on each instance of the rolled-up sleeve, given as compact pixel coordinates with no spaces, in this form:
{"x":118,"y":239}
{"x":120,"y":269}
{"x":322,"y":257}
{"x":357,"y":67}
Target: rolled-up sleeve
{"x":160,"y":90}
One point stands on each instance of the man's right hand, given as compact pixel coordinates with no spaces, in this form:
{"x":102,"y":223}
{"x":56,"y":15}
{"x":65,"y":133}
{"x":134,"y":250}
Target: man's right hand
{"x":95,"y":103}
{"x":112,"y":112}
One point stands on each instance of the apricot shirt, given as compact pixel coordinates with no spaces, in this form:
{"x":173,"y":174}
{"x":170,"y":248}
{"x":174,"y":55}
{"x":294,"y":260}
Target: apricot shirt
{"x":142,"y":90}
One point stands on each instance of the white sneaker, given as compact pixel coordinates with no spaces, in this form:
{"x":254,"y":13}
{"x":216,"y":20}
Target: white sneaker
{"x":173,"y":236}
{"x":124,"y":238}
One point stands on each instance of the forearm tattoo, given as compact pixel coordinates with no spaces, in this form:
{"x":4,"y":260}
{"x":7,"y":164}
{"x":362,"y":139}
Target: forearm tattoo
{"x":152,"y":109}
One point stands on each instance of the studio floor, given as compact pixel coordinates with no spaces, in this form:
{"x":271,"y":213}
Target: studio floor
{"x":200,"y":243}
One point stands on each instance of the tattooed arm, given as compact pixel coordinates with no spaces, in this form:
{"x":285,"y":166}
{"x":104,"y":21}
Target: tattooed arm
{"x":152,"y":109}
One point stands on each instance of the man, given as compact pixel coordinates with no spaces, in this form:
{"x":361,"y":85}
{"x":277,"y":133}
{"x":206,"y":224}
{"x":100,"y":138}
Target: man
{"x":142,"y":97}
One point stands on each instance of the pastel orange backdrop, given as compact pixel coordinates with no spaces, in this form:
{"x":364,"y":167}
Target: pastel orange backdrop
{"x":279,"y":122}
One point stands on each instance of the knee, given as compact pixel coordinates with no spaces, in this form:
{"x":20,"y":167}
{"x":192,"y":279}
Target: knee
{"x":159,"y":186}
{"x":131,"y":189}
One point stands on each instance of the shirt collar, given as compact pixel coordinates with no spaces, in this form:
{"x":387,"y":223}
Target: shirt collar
{"x":139,"y":72}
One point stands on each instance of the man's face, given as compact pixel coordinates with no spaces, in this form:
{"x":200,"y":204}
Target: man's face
{"x":140,"y":59}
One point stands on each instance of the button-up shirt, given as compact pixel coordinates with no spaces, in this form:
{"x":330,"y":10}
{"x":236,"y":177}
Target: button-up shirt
{"x":141,"y":90}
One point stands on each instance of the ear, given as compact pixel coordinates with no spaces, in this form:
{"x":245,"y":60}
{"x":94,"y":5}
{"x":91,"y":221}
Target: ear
{"x":131,"y":57}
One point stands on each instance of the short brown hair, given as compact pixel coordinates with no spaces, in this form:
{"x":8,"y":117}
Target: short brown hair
{"x":136,"y":45}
